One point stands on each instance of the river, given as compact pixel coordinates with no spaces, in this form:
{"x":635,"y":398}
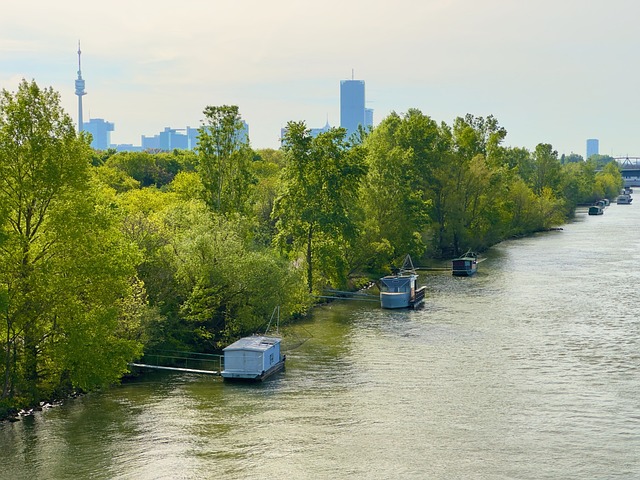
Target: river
{"x":528,"y":370}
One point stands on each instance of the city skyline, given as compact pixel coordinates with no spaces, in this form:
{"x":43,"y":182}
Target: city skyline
{"x":550,"y":73}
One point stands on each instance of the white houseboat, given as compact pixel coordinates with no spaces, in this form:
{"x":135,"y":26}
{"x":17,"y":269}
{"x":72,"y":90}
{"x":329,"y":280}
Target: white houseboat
{"x":253,"y":358}
{"x":400,"y":290}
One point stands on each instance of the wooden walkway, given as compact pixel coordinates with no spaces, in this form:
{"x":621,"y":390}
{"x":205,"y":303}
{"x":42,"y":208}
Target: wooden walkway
{"x":176,"y":369}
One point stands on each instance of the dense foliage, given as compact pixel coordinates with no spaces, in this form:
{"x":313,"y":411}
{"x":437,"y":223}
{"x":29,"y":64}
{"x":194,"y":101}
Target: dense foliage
{"x":106,"y":255}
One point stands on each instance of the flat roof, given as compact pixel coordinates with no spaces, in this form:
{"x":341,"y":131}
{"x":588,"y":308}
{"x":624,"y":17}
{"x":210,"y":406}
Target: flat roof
{"x":255,"y":342}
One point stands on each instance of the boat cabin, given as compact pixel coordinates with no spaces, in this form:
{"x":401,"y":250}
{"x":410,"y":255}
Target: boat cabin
{"x":464,"y":266}
{"x":401,"y":290}
{"x":596,"y":210}
{"x":624,"y":199}
{"x":253,"y":358}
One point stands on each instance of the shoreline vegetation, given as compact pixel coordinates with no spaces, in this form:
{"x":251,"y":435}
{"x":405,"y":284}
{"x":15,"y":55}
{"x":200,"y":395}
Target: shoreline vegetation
{"x":107,"y":255}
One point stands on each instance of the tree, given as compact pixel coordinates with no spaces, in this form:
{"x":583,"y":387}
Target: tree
{"x":464,"y":193}
{"x":403,"y":155}
{"x":546,"y":172}
{"x":65,"y":272}
{"x":319,"y":186}
{"x":224,"y":157}
{"x":571,"y":158}
{"x":609,"y":181}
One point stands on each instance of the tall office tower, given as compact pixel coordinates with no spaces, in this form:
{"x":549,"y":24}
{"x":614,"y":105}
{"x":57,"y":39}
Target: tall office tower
{"x":592,"y":147}
{"x":80,"y":91}
{"x":352,"y":111}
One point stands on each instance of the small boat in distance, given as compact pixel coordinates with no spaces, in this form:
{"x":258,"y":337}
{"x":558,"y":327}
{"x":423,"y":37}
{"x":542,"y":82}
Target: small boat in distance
{"x":465,"y":266}
{"x":596,"y":210}
{"x":400,"y":290}
{"x":624,"y":199}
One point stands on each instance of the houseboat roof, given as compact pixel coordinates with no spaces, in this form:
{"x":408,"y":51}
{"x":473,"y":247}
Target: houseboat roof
{"x":467,"y":256}
{"x":398,"y":279}
{"x":256,"y":343}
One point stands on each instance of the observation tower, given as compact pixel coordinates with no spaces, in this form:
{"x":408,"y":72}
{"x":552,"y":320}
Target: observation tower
{"x":80,"y":91}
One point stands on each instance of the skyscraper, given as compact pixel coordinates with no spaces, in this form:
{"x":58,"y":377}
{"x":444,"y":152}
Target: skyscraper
{"x":592,"y":147}
{"x":80,"y":91}
{"x":352,"y":110}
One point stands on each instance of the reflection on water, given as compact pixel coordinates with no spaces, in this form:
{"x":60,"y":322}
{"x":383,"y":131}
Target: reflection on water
{"x":528,"y":370}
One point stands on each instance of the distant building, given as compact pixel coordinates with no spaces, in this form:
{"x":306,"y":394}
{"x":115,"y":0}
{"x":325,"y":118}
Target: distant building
{"x":171,"y":139}
{"x":593,"y":147}
{"x":352,"y":109}
{"x":368,"y":117}
{"x":126,"y":147}
{"x":181,"y":138}
{"x":353,"y":112}
{"x":317,"y":131}
{"x":100,"y":130}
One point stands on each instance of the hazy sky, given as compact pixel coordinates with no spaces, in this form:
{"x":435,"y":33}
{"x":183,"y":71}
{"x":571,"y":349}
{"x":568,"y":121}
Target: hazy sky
{"x":550,"y":71}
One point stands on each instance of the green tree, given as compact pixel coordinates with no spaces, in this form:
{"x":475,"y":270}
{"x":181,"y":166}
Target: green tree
{"x":224,"y":160}
{"x":65,"y":271}
{"x":608,"y":181}
{"x":467,"y":188}
{"x":319,"y":187}
{"x":266,"y":169}
{"x":578,"y":181}
{"x":546,"y":172}
{"x":403,"y":156}
{"x":571,"y":158}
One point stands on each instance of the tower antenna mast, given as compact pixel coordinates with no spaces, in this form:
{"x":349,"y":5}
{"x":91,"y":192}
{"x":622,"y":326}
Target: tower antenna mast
{"x":80,"y":90}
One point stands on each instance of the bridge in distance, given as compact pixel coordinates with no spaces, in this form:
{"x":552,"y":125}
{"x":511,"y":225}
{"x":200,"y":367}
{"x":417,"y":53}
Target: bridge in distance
{"x":630,"y":169}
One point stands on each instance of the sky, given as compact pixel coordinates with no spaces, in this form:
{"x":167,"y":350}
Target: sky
{"x":550,"y":71}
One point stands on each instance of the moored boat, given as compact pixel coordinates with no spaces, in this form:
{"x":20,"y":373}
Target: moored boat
{"x":400,"y":290}
{"x":624,"y":199}
{"x":465,"y":266}
{"x":253,"y":358}
{"x":596,"y":210}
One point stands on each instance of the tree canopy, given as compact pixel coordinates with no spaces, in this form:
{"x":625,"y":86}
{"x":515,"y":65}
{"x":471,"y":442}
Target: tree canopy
{"x":66,"y":270}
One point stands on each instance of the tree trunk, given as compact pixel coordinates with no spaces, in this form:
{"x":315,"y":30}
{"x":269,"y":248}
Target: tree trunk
{"x":309,"y":267}
{"x":7,"y":364}
{"x":31,"y":364}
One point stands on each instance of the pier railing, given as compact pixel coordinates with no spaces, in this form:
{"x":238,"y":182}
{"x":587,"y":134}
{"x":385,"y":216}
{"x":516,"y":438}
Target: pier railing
{"x":193,"y":362}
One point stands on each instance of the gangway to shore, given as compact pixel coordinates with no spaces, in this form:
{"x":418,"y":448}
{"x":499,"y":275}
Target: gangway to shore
{"x":185,"y":362}
{"x":347,"y":295}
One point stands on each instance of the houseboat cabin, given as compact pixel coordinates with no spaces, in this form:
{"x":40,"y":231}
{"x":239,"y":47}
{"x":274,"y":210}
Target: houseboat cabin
{"x":252,"y":358}
{"x":464,"y":266}
{"x":624,"y":199}
{"x":401,"y":290}
{"x":596,"y":210}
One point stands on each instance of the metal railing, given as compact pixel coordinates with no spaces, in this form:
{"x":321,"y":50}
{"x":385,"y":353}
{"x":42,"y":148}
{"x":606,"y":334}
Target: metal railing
{"x":179,"y":360}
